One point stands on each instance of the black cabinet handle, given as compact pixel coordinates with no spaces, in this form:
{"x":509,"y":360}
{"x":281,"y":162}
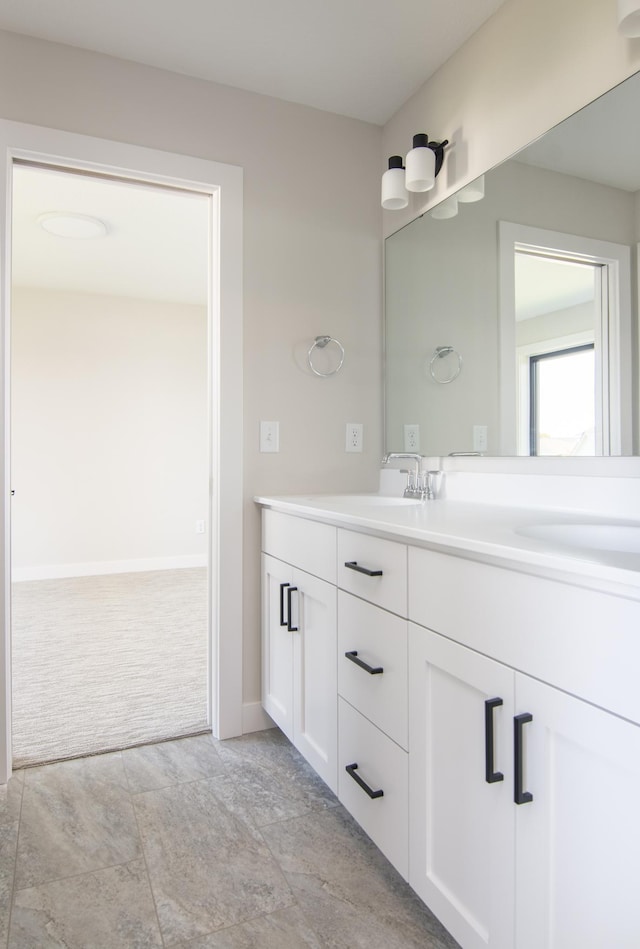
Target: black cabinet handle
{"x":354,"y":565}
{"x":520,"y":796}
{"x":490,"y":775}
{"x":283,"y":621}
{"x":290,"y":591}
{"x":351,"y":770}
{"x":372,"y":670}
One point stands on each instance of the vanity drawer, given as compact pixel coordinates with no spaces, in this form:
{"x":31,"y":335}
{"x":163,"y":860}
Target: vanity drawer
{"x":380,"y":640}
{"x":385,"y":562}
{"x":582,"y":641}
{"x":309,"y":545}
{"x":383,"y":766}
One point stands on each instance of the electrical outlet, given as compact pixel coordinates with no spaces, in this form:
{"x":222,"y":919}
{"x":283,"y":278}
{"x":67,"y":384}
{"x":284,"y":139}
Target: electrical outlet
{"x":480,"y":438}
{"x":412,"y":438}
{"x":354,"y":436}
{"x":269,"y":436}
{"x":199,"y":527}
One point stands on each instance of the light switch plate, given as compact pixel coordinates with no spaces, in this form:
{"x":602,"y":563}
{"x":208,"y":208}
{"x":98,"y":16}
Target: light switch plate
{"x":269,"y":436}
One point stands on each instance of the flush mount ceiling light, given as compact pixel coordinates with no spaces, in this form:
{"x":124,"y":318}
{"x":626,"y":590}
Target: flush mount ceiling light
{"x":78,"y":226}
{"x":629,"y":17}
{"x":423,"y":164}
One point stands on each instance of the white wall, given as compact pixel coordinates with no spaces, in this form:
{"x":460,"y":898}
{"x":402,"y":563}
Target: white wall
{"x":531,"y":65}
{"x":109,"y":432}
{"x":312,"y":255}
{"x":557,"y":324}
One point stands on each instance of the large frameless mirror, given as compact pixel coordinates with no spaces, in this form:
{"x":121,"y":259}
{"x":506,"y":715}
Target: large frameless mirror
{"x":511,"y":320}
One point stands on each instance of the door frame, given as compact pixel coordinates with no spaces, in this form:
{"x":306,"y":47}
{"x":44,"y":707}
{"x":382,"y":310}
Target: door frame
{"x":613,"y":354}
{"x":224,"y":183}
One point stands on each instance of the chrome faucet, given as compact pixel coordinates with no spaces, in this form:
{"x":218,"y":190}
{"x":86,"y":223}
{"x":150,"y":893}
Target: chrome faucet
{"x":420,"y":484}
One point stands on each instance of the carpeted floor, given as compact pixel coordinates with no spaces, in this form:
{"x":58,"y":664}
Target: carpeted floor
{"x":107,"y":662}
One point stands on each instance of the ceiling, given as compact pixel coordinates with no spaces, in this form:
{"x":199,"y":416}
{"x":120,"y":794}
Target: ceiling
{"x":360,"y":58}
{"x":156,"y":246}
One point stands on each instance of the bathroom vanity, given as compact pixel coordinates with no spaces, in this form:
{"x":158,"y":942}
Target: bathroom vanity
{"x":468,"y":686}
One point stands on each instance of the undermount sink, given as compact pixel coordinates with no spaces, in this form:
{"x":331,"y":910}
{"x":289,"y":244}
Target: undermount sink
{"x":619,"y":538}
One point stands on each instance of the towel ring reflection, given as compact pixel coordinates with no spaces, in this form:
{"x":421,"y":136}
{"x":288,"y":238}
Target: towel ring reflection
{"x":439,"y":353}
{"x":321,"y":342}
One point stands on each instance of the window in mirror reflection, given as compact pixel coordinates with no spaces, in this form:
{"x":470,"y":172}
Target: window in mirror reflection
{"x":562,"y":402}
{"x":558,"y":310}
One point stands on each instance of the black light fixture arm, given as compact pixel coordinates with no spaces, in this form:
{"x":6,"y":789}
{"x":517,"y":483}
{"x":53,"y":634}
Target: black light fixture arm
{"x":438,"y":148}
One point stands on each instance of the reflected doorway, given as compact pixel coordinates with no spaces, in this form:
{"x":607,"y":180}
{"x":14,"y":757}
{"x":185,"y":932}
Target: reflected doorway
{"x":558,"y":293}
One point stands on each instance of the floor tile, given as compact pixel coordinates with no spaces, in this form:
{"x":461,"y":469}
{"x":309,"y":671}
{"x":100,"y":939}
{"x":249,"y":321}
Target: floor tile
{"x":11,"y":798}
{"x":8,"y":844}
{"x":208,"y":867}
{"x":284,"y":929}
{"x":107,"y":909}
{"x":352,"y":897}
{"x":152,"y":767}
{"x":77,"y":816}
{"x":276,"y":781}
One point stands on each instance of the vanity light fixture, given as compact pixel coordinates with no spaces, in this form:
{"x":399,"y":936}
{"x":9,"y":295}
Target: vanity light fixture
{"x":474,"y":191}
{"x":423,"y":164}
{"x":424,"y":161}
{"x":446,"y":209}
{"x":629,"y":17}
{"x":67,"y":224}
{"x":394,"y":193}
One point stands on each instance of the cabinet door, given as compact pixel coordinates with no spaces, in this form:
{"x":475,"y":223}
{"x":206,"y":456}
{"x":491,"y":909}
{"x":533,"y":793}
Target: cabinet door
{"x":461,"y":827}
{"x":277,"y":643}
{"x":578,"y":839}
{"x":315,"y":690}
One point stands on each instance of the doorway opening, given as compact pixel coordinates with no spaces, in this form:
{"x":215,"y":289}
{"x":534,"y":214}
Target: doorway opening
{"x":223,"y":183}
{"x":110,"y":463}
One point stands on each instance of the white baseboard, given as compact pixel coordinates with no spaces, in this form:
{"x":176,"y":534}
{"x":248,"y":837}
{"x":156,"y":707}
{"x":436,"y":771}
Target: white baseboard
{"x":100,"y":568}
{"x":254,"y":718}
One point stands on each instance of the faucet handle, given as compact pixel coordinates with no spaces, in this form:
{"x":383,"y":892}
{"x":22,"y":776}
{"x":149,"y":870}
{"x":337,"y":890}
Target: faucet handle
{"x":431,"y":484}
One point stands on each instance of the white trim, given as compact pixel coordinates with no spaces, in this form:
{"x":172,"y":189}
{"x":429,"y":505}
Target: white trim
{"x":101,"y":568}
{"x":613,"y":356}
{"x":65,"y":149}
{"x":255,"y":719}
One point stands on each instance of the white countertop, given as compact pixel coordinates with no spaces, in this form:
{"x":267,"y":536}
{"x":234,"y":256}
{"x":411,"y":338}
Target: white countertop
{"x":481,"y":531}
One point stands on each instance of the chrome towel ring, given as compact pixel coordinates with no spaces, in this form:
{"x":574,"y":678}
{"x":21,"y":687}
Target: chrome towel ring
{"x":440,"y":353}
{"x":321,"y":342}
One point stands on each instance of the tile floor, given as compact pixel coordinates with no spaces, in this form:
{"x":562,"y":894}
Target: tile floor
{"x":195,"y":844}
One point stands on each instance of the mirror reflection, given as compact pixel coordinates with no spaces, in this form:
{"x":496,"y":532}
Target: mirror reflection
{"x":511,"y":308}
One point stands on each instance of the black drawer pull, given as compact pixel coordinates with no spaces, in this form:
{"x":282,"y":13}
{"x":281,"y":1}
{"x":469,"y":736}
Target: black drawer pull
{"x":290,"y":592}
{"x":490,"y":775}
{"x":354,"y":565}
{"x":351,"y":770}
{"x":520,"y":796}
{"x":372,"y":670}
{"x":283,"y":621}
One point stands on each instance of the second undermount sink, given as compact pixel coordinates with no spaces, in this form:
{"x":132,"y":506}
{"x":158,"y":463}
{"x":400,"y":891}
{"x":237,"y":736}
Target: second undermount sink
{"x":618,"y":538}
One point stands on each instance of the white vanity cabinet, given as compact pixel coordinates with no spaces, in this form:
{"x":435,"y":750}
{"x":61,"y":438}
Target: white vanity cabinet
{"x":460,"y":789}
{"x":549,"y":854}
{"x":496,"y":710}
{"x":373,"y":771}
{"x":299,"y":637}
